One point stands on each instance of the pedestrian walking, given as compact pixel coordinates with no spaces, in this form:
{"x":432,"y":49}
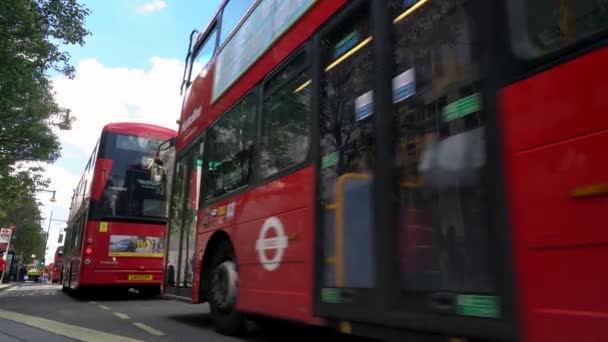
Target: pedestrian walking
{"x":22,"y":273}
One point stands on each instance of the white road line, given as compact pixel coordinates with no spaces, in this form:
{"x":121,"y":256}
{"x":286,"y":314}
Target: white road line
{"x":121,"y":315}
{"x":103,"y":307}
{"x":93,"y":302}
{"x":149,"y":329}
{"x":67,"y":330}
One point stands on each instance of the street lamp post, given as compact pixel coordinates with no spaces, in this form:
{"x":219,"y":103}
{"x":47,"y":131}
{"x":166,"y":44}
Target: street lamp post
{"x":51,"y":191}
{"x":48,"y":232}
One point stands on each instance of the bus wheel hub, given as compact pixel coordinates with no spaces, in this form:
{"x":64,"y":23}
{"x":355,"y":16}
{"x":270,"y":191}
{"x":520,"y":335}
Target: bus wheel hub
{"x":224,"y":285}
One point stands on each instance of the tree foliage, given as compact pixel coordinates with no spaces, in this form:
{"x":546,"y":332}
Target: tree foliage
{"x":32,"y":36}
{"x":28,"y":236}
{"x":32,"y":33}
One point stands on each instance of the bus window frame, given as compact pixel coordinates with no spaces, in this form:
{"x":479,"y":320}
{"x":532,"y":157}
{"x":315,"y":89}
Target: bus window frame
{"x":523,"y":50}
{"x":214,"y":28}
{"x":203,"y":192}
{"x":258,"y":90}
{"x":305,"y":48}
{"x":236,"y":27}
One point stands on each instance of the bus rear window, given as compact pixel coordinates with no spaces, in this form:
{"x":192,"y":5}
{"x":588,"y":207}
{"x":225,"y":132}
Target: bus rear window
{"x":541,"y":27}
{"x":131,"y":191}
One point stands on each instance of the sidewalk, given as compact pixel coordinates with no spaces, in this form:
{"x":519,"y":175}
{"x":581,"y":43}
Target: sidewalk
{"x":6,"y":286}
{"x":14,"y":332}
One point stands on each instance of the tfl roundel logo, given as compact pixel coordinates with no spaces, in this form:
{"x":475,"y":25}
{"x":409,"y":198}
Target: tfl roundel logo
{"x":271,"y":244}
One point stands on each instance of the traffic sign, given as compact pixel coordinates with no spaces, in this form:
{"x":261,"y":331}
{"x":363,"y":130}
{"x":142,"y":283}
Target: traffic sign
{"x":5,"y":235}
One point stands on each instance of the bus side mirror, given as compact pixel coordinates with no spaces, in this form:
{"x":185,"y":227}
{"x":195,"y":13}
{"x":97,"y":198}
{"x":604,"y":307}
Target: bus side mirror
{"x":60,"y":240}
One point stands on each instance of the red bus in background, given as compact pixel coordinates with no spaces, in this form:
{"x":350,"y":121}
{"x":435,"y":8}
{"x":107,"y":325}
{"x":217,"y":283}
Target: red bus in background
{"x":405,"y":169}
{"x":116,"y":227}
{"x":57,"y":265}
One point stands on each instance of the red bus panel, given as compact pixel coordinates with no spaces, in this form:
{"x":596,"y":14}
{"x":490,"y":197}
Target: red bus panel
{"x":554,"y":133}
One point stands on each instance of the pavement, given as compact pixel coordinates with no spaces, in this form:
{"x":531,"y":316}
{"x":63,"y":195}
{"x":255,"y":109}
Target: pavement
{"x":5,"y":286}
{"x":31,"y":312}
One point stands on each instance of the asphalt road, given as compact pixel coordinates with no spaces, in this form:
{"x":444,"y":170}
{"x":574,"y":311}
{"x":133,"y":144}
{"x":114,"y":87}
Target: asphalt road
{"x":41,"y":312}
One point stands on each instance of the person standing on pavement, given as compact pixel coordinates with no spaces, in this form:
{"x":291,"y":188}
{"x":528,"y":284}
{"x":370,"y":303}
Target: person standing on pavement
{"x":22,"y":273}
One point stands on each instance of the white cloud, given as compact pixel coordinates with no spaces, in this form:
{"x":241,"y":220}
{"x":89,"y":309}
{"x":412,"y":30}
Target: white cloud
{"x":152,"y":6}
{"x":99,"y":95}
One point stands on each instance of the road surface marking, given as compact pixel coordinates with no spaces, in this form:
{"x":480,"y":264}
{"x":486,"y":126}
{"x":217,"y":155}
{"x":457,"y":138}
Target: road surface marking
{"x":149,"y":329}
{"x":104,"y":307}
{"x":67,"y":330}
{"x":121,"y":315}
{"x":93,"y":302}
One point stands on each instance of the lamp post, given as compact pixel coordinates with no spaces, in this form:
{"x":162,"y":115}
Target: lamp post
{"x":48,"y":232}
{"x":51,"y":191}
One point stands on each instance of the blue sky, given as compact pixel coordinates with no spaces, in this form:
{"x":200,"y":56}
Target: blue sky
{"x":129,"y":69}
{"x":124,"y":36}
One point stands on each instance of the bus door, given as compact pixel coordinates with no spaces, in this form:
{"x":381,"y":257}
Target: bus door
{"x":403,"y":210}
{"x":183,"y":220}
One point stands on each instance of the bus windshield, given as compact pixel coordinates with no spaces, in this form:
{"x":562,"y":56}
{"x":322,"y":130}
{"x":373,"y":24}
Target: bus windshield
{"x":135,"y":187}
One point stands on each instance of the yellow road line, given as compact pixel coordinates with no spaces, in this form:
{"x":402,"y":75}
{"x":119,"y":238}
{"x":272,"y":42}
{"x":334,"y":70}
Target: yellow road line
{"x":121,"y":315}
{"x":149,"y":329}
{"x":104,"y":307}
{"x":67,"y":330}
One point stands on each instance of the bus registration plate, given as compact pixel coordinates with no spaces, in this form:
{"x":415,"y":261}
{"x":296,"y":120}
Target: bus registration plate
{"x":140,"y":277}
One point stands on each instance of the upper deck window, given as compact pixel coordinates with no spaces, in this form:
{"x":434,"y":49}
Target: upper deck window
{"x":541,"y":27}
{"x":232,"y":14}
{"x":204,"y":54}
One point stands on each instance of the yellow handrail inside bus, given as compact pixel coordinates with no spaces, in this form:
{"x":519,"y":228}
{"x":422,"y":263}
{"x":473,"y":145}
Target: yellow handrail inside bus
{"x":339,"y":225}
{"x":338,"y":207}
{"x":410,"y":10}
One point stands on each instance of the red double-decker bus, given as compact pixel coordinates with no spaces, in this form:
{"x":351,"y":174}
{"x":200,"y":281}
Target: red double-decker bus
{"x":116,"y":227}
{"x":409,"y":170}
{"x":56,"y":268}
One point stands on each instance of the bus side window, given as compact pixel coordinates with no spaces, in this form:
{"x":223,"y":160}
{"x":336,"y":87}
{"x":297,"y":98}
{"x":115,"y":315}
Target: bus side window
{"x":232,"y":15}
{"x":228,"y":155}
{"x":203,"y":56}
{"x":542,"y":27}
{"x":286,"y":120}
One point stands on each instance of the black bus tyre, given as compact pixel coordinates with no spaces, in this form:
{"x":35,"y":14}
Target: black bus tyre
{"x":223,"y":292}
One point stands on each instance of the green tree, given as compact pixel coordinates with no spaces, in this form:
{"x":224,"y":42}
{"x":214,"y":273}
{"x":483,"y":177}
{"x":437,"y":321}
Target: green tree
{"x":32,"y":33}
{"x":28,"y":237}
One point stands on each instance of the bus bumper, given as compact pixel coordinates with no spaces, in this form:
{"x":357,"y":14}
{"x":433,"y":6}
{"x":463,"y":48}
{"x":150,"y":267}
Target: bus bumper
{"x":122,"y":277}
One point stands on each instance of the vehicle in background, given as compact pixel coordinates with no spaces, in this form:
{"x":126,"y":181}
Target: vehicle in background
{"x":57,"y":266}
{"x":34,"y":274}
{"x":406,"y":169}
{"x":116,"y":228}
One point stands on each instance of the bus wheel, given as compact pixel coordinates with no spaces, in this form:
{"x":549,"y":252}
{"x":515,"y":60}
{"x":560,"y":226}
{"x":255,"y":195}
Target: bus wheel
{"x":224,"y":288}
